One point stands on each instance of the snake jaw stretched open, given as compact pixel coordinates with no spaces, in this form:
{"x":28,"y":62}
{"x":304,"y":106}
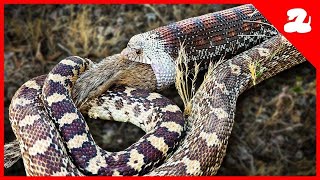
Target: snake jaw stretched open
{"x":148,"y":48}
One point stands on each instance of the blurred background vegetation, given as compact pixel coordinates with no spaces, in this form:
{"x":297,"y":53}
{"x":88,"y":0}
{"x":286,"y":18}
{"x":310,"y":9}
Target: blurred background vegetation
{"x":274,"y":131}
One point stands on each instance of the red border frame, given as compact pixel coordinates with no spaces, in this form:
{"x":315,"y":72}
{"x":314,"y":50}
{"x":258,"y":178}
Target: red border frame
{"x":273,"y":10}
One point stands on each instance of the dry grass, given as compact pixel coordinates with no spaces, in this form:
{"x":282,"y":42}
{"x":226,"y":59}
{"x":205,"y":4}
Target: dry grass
{"x":255,"y":67}
{"x":182,"y":80}
{"x":256,"y":70}
{"x":186,"y":80}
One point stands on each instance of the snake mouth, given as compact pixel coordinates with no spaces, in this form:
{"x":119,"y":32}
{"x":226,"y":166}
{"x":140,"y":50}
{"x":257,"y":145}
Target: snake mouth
{"x":135,"y":54}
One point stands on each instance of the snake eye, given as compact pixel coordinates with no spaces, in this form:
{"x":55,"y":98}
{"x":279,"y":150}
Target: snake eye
{"x":138,"y":51}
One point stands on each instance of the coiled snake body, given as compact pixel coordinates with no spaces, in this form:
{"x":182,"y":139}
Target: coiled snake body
{"x":200,"y":152}
{"x":161,"y":138}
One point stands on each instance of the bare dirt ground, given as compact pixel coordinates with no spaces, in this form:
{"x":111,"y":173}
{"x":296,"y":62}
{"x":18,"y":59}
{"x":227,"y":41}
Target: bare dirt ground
{"x":274,"y":131}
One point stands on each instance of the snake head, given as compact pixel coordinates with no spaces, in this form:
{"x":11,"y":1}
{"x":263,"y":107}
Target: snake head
{"x":148,"y":48}
{"x":135,"y":50}
{"x":144,"y":48}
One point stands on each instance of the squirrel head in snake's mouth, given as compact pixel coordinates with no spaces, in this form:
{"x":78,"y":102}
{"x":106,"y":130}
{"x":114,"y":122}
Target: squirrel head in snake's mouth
{"x":148,"y":48}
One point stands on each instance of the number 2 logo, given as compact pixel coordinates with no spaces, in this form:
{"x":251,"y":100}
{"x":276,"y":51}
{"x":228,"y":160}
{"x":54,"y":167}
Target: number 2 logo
{"x":298,"y":25}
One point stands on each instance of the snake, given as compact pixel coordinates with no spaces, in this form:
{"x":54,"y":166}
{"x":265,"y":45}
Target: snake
{"x":200,"y":152}
{"x":205,"y":39}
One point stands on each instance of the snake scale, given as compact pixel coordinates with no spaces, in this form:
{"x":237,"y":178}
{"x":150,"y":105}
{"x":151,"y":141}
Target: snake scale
{"x":209,"y":125}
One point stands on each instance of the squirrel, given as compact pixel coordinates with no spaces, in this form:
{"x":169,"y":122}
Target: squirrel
{"x":112,"y":71}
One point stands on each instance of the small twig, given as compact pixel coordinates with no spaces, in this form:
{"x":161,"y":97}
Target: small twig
{"x":259,"y":23}
{"x":156,"y":12}
{"x":250,"y":35}
{"x":254,"y":12}
{"x":289,"y":128}
{"x":65,"y":49}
